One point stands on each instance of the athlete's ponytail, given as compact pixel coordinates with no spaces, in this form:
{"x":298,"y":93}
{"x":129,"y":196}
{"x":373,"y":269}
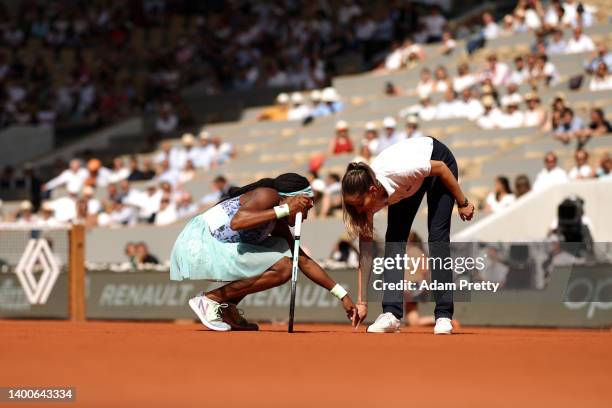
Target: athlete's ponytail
{"x":285,"y":184}
{"x":357,"y":180}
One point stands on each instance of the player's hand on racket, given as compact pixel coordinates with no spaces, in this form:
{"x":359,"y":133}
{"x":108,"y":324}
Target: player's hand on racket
{"x":466,"y":213}
{"x":362,"y":312}
{"x":298,"y":204}
{"x":349,"y":307}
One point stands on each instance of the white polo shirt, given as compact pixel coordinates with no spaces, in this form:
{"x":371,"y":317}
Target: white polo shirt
{"x":401,"y":168}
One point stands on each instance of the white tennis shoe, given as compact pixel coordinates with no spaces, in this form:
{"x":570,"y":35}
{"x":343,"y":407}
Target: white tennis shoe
{"x":385,"y":323}
{"x":443,"y":325}
{"x":209,"y":312}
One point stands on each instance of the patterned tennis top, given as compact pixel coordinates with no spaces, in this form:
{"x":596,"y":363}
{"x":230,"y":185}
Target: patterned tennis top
{"x":219,"y":219}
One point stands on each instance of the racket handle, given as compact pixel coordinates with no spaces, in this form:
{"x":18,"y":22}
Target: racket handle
{"x":297,"y":229}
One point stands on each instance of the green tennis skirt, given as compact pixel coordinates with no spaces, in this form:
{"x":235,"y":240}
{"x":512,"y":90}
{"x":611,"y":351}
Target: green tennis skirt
{"x":198,"y":255}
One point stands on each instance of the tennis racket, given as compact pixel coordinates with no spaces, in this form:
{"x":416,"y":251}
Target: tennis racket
{"x":294,"y":270}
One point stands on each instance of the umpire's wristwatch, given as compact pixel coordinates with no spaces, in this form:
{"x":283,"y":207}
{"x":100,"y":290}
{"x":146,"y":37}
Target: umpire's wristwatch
{"x":463,"y":204}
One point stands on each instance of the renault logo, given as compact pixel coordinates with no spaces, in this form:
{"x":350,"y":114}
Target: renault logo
{"x":37,"y":251}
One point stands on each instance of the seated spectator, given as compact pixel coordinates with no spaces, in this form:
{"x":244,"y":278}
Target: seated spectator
{"x":73,"y":178}
{"x":187,"y":174}
{"x":167,"y":122}
{"x":332,"y":197}
{"x":186,"y":207}
{"x":581,"y":169}
{"x":148,"y":203}
{"x":342,"y":142}
{"x":535,"y":115}
{"x":599,"y":125}
{"x":25,"y":214}
{"x":119,"y":171}
{"x":602,"y":80}
{"x":579,"y":42}
{"x":584,"y":16}
{"x":442,"y":81}
{"x":206,"y":152}
{"x":180,"y":155}
{"x":434,"y":24}
{"x":47,"y":215}
{"x":556,"y":45}
{"x":364,"y":156}
{"x":143,"y":256}
{"x":464,"y":78}
{"x":130,"y":252}
{"x":165,"y":173}
{"x":299,"y":110}
{"x":389,"y":135}
{"x":278,"y":111}
{"x":370,"y":138}
{"x":551,"y":174}
{"x":522,"y":185}
{"x":65,"y":207}
{"x":497,"y":72}
{"x":604,"y":172}
{"x":520,"y":74}
{"x":93,"y":204}
{"x":544,"y":71}
{"x":332,"y":101}
{"x":344,"y":251}
{"x":424,"y":86}
{"x":491,"y":115}
{"x":490,"y":28}
{"x":167,"y":152}
{"x":469,"y":107}
{"x":99,"y":176}
{"x":554,"y":15}
{"x":602,"y":55}
{"x":167,"y":212}
{"x":512,"y":118}
{"x":412,"y":128}
{"x":137,"y":174}
{"x":501,"y":197}
{"x":449,"y":107}
{"x":507,"y":28}
{"x":448,"y":43}
{"x":220,"y":191}
{"x":569,"y":128}
{"x":395,"y":58}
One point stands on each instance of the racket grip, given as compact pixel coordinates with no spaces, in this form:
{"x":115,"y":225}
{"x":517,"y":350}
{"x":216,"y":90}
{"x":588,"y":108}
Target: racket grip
{"x":297,"y":229}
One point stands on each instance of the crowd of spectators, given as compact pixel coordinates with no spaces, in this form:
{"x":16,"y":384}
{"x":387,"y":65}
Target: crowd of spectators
{"x":97,"y":61}
{"x":95,"y":195}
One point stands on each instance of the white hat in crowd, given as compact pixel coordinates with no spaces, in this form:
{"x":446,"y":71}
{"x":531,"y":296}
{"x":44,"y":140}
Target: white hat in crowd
{"x":204,"y":135}
{"x":188,"y":139}
{"x":47,"y":206}
{"x":25,"y":205}
{"x":282,"y":98}
{"x":412,"y":120}
{"x":329,"y":94}
{"x":512,"y":100}
{"x":315,"y":95}
{"x":296,"y":97}
{"x":318,"y":185}
{"x":370,"y":126}
{"x":389,"y":122}
{"x":341,"y":125}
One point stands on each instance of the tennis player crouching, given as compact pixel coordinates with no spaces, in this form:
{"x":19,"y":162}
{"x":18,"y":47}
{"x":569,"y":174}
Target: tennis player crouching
{"x":246,"y":240}
{"x":398,"y":179}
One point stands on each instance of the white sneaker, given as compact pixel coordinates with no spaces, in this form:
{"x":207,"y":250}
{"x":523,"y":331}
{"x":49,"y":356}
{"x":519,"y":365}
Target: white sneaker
{"x":209,"y":312}
{"x":443,"y":326}
{"x":385,"y":323}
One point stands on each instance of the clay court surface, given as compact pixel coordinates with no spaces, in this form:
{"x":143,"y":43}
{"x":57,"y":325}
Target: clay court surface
{"x":113,"y":364}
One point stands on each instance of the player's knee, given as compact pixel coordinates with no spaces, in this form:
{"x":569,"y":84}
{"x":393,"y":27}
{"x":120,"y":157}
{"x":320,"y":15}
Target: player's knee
{"x":283,"y":267}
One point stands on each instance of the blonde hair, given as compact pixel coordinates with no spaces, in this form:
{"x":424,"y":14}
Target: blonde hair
{"x":357,"y":180}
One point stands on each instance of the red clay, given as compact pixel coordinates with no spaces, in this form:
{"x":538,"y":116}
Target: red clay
{"x":170,"y":365}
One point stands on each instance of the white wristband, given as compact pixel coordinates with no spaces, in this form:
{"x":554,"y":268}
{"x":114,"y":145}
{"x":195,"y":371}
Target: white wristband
{"x":281,"y":210}
{"x":338,"y":291}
